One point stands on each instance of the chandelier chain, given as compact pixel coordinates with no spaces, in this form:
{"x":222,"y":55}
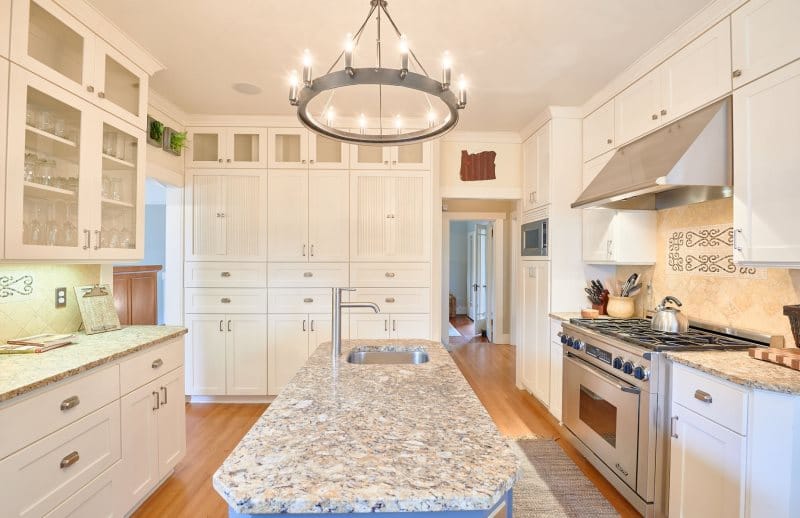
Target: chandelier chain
{"x":399,"y":34}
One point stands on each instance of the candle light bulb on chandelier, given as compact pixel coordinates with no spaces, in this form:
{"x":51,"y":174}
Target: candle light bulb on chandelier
{"x":403,"y":56}
{"x":293,"y":88}
{"x":431,"y":118}
{"x":349,"y":46}
{"x":462,"y":92}
{"x":447,"y":69}
{"x":307,"y":67}
{"x":398,"y":123}
{"x":362,"y":123}
{"x":330,"y":115}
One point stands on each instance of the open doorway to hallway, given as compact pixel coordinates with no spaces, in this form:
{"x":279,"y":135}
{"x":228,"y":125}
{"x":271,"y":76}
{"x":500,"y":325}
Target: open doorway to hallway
{"x":471,"y":279}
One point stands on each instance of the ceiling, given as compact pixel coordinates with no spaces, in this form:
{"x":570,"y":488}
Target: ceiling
{"x":517,"y":60}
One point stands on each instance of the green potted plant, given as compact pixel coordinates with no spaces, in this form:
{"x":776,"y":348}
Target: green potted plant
{"x":174,"y":141}
{"x":155,"y":132}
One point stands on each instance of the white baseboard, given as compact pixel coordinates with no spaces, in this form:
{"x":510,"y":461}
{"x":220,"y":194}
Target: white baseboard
{"x":230,"y":399}
{"x":502,"y":338}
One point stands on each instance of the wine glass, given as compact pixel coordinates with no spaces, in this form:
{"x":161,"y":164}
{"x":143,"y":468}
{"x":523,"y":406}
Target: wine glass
{"x":36,"y":227}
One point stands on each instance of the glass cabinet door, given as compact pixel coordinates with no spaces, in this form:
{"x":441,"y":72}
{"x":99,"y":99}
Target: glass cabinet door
{"x":370,"y":157}
{"x":207,"y":147}
{"x":120,"y":85}
{"x":55,"y":45}
{"x":411,"y":156}
{"x":46,"y":213}
{"x":326,"y":153}
{"x":246,"y":148}
{"x":288,"y":148}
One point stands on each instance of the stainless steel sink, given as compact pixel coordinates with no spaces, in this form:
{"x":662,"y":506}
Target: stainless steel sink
{"x":378,"y":357}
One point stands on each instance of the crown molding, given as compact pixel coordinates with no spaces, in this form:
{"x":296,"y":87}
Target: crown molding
{"x":548,"y":114}
{"x":162,"y":104}
{"x":493,"y":137}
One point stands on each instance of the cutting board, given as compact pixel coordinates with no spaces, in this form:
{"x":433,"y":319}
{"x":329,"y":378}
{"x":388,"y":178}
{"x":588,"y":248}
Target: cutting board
{"x":786,"y":357}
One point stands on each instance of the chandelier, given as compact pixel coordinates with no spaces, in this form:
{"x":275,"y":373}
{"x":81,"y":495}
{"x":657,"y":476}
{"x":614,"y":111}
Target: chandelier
{"x":379,"y":76}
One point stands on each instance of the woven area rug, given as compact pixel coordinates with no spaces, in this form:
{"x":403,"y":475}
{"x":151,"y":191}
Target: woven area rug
{"x":551,"y":485}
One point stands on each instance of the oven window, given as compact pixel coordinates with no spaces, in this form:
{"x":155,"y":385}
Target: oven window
{"x":599,"y":415}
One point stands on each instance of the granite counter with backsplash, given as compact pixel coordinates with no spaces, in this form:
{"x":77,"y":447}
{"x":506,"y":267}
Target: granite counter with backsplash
{"x":23,"y":373}
{"x":345,"y":438}
{"x":738,"y":367}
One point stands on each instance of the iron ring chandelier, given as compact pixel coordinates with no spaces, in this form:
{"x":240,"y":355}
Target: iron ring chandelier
{"x":380,"y":77}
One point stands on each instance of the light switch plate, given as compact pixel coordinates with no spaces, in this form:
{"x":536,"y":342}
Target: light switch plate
{"x":61,"y":297}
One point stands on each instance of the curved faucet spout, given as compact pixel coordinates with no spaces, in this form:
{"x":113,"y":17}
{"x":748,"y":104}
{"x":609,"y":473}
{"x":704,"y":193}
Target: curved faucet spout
{"x":336,"y":318}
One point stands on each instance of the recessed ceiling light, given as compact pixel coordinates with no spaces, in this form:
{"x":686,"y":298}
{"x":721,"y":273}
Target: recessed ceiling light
{"x":247,"y":88}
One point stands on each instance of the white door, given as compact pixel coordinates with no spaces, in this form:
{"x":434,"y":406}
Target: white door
{"x":206,"y":205}
{"x":328,"y":216}
{"x":598,"y":131}
{"x":765,"y":161}
{"x":410,"y":217}
{"x":481,"y":277}
{"x":246,"y":355}
{"x":764,"y":37}
{"x":244,"y":217}
{"x":472,"y":275}
{"x":697,"y":74}
{"x":637,"y":108}
{"x":246,"y":148}
{"x":171,"y":421}
{"x":206,"y":343}
{"x":288,"y":148}
{"x":207,"y":147}
{"x":707,"y":464}
{"x":320,"y":328}
{"x":288,"y":348}
{"x":530,"y":159}
{"x":370,"y":215}
{"x":287,"y":221}
{"x":365,"y":326}
{"x":139,"y":426}
{"x":410,"y":326}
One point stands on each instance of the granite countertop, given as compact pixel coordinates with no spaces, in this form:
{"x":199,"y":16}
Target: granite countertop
{"x":22,"y":373}
{"x":370,"y":438}
{"x":738,"y":367}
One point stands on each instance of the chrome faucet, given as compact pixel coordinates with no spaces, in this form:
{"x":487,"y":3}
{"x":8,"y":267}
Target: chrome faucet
{"x":336,"y":338}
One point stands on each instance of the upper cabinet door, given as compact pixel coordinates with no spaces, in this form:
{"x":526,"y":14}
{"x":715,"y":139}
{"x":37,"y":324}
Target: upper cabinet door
{"x":697,"y":74}
{"x":120,"y":86}
{"x":411,"y":156}
{"x":287,"y":221}
{"x":206,"y":228}
{"x":598,"y":131}
{"x":636,"y":109}
{"x":765,"y":162}
{"x":765,"y":37}
{"x":369,"y":215}
{"x":325,"y":153}
{"x":541,"y":195}
{"x":410,"y":225}
{"x":288,"y":148}
{"x":51,"y":43}
{"x":328,"y":216}
{"x":370,"y":157}
{"x":207,"y":147}
{"x":530,"y":152}
{"x":5,"y":27}
{"x":244,"y":213}
{"x":246,"y":148}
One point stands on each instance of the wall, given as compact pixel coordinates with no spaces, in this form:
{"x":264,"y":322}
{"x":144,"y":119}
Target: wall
{"x":508,"y":166}
{"x":458,"y":263}
{"x":749,"y":302}
{"x":161,"y":165}
{"x":24,"y":315}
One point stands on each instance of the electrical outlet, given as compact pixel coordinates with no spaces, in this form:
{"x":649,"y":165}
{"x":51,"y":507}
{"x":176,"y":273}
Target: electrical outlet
{"x":61,"y":297}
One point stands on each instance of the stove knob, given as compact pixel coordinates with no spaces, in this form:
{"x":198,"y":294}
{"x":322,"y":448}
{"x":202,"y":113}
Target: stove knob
{"x":617,"y":363}
{"x":570,"y":341}
{"x":577,"y":345}
{"x":640,"y":373}
{"x":627,"y":367}
{"x":563,"y":339}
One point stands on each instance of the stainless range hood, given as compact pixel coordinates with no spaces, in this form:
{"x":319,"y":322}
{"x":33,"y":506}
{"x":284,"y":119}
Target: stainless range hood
{"x":686,"y":162}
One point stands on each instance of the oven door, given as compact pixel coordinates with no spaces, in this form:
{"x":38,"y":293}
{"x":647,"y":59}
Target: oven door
{"x":603,"y":412}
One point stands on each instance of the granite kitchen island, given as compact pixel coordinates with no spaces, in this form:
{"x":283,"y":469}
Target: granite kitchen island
{"x":351,"y":439}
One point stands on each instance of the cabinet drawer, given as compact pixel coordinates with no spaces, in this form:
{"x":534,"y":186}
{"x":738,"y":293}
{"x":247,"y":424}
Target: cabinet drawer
{"x":376,"y":275}
{"x":225,"y":275}
{"x":226,"y":300}
{"x":150,"y":364}
{"x":63,"y":404}
{"x":310,"y":275}
{"x":712,"y":398}
{"x":300,"y":300}
{"x":96,"y":499}
{"x":394,"y":300}
{"x":41,"y":476}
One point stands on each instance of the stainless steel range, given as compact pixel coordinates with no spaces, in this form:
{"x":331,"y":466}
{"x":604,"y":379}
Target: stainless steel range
{"x":615,"y":398}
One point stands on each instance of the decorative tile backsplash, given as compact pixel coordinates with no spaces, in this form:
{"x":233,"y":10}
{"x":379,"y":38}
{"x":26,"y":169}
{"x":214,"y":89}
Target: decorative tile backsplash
{"x":706,"y":250}
{"x":27,"y":297}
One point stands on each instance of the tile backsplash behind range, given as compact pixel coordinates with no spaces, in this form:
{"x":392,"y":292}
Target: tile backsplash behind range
{"x":27,"y":297}
{"x":693,"y":263}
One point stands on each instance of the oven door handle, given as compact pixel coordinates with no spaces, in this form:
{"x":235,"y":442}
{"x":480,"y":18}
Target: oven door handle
{"x":588,"y":367}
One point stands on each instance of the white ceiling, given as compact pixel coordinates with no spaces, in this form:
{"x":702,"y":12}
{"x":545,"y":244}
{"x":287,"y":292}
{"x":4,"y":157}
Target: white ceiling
{"x":519,"y":56}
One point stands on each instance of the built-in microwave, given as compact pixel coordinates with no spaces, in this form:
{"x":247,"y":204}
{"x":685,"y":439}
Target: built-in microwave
{"x":534,"y":238}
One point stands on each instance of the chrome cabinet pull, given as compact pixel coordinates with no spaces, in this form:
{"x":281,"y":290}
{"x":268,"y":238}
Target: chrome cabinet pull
{"x":385,"y":162}
{"x":672,"y":432}
{"x":90,"y":89}
{"x":394,"y":325}
{"x":702,"y":395}
{"x":621,"y":469}
{"x":663,"y":112}
{"x":164,"y":392}
{"x":312,"y":250}
{"x":654,"y":116}
{"x":228,"y":160}
{"x":312,"y":325}
{"x":70,"y":402}
{"x":229,"y":326}
{"x":88,"y":235}
{"x":390,"y":299}
{"x":386,"y":325}
{"x":101,"y":95}
{"x":737,"y":73}
{"x":225,"y":300}
{"x":304,"y":250}
{"x":158,"y":362}
{"x":390,"y":275}
{"x":69,"y":460}
{"x":220,"y":327}
{"x":225,"y":274}
{"x":97,"y":236}
{"x":158,"y":401}
{"x":736,"y":244}
{"x":220,"y":160}
{"x":304,"y":324}
{"x":308,"y":274}
{"x":311,"y":160}
{"x":308,"y":300}
{"x":303,"y":161}
{"x":609,"y":141}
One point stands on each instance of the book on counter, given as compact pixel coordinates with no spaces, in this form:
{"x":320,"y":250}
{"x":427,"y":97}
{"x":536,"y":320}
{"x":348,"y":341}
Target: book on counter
{"x":36,"y":343}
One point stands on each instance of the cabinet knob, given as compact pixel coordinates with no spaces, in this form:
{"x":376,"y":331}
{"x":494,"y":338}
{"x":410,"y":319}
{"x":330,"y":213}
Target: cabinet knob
{"x":158,"y":362}
{"x":737,"y":73}
{"x":609,"y":141}
{"x":303,"y":161}
{"x":663,"y":112}
{"x":390,"y":300}
{"x":101,"y":95}
{"x":69,"y":460}
{"x":311,"y":161}
{"x":390,"y":274}
{"x":70,"y":402}
{"x":90,"y":89}
{"x":220,"y":160}
{"x":225,"y":300}
{"x":386,"y":162}
{"x":654,"y":116}
{"x":225,"y":274}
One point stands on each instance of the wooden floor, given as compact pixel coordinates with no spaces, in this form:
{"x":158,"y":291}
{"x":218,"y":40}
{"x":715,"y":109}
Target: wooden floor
{"x":213,"y":430}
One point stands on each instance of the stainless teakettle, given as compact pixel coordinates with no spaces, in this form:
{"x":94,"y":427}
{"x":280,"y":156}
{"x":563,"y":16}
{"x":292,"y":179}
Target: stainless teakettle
{"x":669,"y":319}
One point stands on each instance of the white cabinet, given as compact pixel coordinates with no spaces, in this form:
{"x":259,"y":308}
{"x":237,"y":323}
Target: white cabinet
{"x":764,"y":36}
{"x":694,"y":76}
{"x":227,"y":354}
{"x":77,"y":187}
{"x":765,"y":161}
{"x":239,"y":148}
{"x":390,"y":216}
{"x":298,"y":148}
{"x":365,"y":326}
{"x":5,"y":26}
{"x":407,"y":157}
{"x":154,"y":435}
{"x":51,"y":43}
{"x":308,"y":216}
{"x":707,"y":468}
{"x":556,"y":368}
{"x":536,"y":160}
{"x":535,"y":344}
{"x":598,"y":131}
{"x":225,"y":216}
{"x":3,"y":123}
{"x":292,"y":339}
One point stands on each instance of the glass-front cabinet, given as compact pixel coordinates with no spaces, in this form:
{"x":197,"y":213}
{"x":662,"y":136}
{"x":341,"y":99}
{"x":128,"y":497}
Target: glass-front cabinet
{"x":298,"y":148}
{"x":405,"y":157}
{"x":238,"y":148}
{"x":53,"y":44}
{"x":74,"y":177}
